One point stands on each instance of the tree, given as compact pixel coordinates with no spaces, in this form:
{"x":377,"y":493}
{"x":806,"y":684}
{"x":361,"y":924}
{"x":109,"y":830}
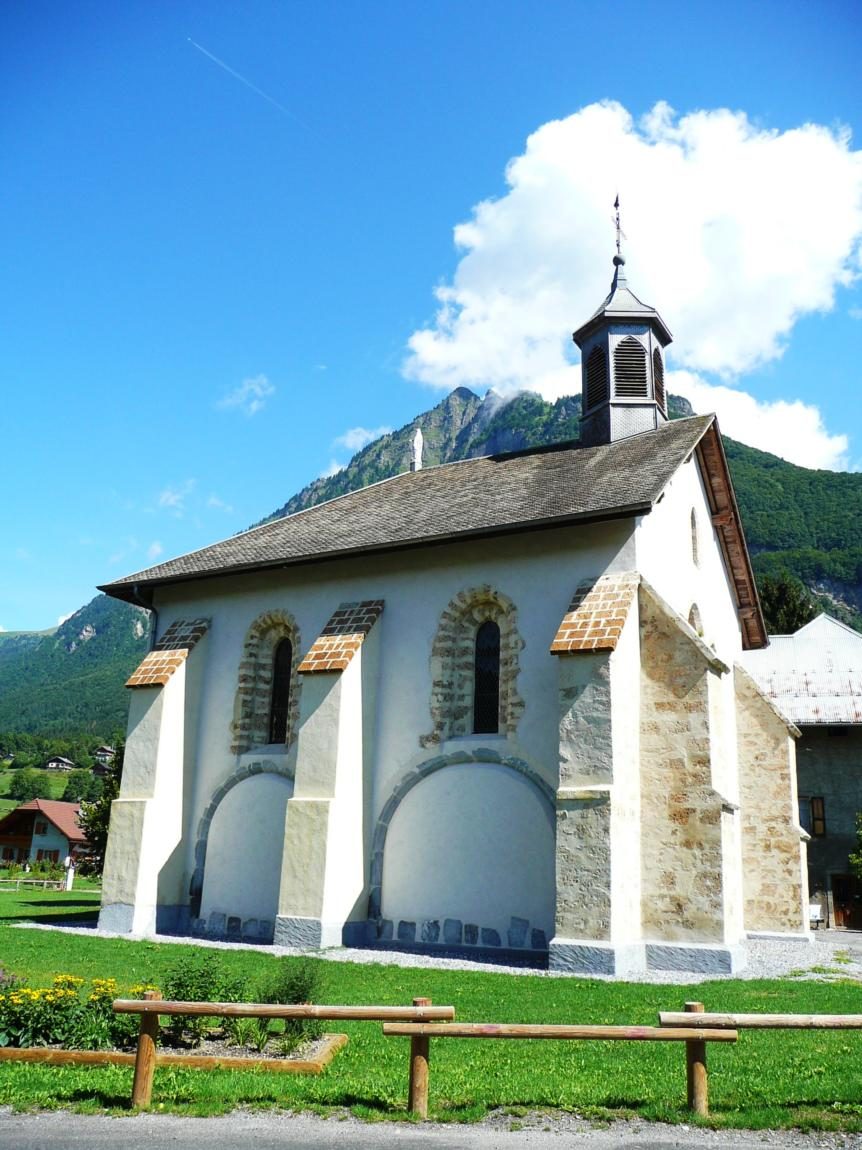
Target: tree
{"x":786,"y":604}
{"x":95,"y":816}
{"x":27,"y":785}
{"x":82,"y":785}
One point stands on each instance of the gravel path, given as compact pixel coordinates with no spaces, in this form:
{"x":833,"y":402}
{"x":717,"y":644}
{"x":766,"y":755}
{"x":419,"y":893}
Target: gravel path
{"x":275,"y":1130}
{"x":831,"y":954}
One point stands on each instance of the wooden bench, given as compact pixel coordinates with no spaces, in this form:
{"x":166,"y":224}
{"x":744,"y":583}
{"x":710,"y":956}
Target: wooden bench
{"x":150,"y":1007}
{"x":420,"y":1035}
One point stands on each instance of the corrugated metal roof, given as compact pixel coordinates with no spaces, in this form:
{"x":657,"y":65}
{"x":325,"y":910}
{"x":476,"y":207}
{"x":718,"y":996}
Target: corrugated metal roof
{"x":815,"y":676}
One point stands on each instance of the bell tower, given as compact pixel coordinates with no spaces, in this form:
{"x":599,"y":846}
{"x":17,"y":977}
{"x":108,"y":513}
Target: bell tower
{"x":622,"y":363}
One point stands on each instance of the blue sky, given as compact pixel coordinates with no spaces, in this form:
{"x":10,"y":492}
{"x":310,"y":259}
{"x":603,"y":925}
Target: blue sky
{"x":215,"y":270}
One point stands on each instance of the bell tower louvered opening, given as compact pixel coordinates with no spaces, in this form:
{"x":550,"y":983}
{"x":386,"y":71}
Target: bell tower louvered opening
{"x":597,"y":378}
{"x":658,"y":379}
{"x":630,"y":370}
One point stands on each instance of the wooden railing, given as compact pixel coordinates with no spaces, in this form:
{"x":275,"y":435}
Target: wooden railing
{"x":150,"y":1007}
{"x":420,"y":1035}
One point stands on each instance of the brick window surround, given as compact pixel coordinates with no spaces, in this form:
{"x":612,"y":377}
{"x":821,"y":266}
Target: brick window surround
{"x":453,"y":664}
{"x":253,"y":700}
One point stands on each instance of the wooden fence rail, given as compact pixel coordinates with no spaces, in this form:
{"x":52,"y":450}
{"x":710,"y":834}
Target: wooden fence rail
{"x":695,"y":1039}
{"x":151,"y":1006}
{"x":763,"y":1021}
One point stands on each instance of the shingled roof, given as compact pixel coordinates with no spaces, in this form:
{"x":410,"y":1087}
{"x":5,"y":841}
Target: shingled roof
{"x":493,"y":495}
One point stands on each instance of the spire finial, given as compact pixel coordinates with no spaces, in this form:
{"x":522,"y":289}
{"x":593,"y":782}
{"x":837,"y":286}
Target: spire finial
{"x":619,"y":260}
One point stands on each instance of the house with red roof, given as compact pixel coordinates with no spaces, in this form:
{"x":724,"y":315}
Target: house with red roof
{"x":41,"y":829}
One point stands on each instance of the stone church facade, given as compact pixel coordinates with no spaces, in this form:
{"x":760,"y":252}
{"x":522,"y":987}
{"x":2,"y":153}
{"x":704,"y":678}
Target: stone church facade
{"x":496,"y":704}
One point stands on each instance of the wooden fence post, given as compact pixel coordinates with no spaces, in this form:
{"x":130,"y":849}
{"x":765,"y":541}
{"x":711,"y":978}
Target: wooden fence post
{"x":695,"y":1064}
{"x":420,"y":1046}
{"x":145,"y":1059}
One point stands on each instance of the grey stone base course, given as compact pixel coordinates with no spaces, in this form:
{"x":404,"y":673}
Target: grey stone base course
{"x":230,"y":928}
{"x":695,"y":958}
{"x":801,"y":940}
{"x":117,"y":918}
{"x":173,"y":919}
{"x":307,"y":933}
{"x":581,"y":958}
{"x":456,"y":933}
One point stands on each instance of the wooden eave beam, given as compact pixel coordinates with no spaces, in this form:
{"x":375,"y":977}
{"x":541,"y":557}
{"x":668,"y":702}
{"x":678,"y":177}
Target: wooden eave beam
{"x":728,"y":527}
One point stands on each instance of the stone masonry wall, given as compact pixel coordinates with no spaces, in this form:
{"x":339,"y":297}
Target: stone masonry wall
{"x":452,"y":663}
{"x":681,"y":841}
{"x":252,"y":702}
{"x":774,"y":883}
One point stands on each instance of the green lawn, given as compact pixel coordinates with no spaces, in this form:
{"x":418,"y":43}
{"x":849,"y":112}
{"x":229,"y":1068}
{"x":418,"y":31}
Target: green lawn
{"x":808,"y":1079}
{"x":57,"y":780}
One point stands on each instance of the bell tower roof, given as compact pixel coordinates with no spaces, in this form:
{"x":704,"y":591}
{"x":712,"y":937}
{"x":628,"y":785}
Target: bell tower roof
{"x":622,"y":362}
{"x":622,"y":304}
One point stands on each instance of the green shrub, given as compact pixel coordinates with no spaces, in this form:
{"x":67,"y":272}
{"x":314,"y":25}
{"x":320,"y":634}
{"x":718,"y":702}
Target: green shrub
{"x":197,"y":978}
{"x":295,"y":980}
{"x":64,"y":1014}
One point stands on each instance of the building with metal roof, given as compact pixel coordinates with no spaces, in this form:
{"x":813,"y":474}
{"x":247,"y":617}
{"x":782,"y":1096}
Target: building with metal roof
{"x":815,"y":678}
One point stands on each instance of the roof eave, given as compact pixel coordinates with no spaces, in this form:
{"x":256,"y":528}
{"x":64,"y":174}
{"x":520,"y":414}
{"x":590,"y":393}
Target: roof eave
{"x":650,"y":317}
{"x":129,"y":592}
{"x":728,"y":526}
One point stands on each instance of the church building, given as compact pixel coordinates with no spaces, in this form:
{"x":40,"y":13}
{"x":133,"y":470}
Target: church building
{"x":494,"y":705}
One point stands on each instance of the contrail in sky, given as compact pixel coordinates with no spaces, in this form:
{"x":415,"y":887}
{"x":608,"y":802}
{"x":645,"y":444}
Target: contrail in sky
{"x":247,"y":83}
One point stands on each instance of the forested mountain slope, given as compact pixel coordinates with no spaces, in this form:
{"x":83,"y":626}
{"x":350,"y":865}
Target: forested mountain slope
{"x":806,"y":523}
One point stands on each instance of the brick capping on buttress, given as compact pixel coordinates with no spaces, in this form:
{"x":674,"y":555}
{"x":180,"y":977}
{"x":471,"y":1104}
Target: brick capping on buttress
{"x":597,"y":615}
{"x":170,"y":652}
{"x":342,"y":637}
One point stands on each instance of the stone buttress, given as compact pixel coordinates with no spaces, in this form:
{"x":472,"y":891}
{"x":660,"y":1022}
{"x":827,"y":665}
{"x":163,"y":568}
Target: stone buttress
{"x":143,"y":873}
{"x":324,"y":880}
{"x":648,"y":854}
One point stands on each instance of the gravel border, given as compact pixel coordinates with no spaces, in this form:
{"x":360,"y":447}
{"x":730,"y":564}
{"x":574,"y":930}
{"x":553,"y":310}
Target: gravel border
{"x":830,"y":955}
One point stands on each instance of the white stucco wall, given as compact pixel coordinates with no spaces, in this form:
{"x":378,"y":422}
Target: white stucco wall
{"x":664,"y":558}
{"x":474,"y":842}
{"x":243,"y":873}
{"x":417,"y":586}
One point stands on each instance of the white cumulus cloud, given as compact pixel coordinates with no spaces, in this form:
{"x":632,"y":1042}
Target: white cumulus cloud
{"x":358,"y":437}
{"x":249,"y":397}
{"x":733,"y":231}
{"x":789,"y":428}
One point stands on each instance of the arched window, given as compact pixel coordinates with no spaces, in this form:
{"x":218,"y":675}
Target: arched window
{"x":266,"y":703}
{"x":279,"y":707}
{"x":694,"y":620}
{"x":630,"y":369}
{"x":474,"y":667}
{"x":658,"y":378}
{"x":596,"y":388}
{"x":695,"y":542}
{"x":486,"y":680}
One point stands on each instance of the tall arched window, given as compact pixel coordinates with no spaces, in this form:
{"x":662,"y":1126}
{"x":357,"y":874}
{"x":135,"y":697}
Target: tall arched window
{"x":486,"y":680}
{"x":658,"y":378}
{"x":695,"y":541}
{"x":279,"y":707}
{"x":596,"y":390}
{"x":266,"y":703}
{"x":630,"y":369}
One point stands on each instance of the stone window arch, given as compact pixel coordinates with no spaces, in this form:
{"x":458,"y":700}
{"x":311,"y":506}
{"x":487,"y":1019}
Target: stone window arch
{"x":268,"y":663}
{"x":454,"y":662}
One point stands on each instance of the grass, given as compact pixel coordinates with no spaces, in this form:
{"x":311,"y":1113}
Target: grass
{"x":56,"y":779}
{"x":769,"y":1079}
